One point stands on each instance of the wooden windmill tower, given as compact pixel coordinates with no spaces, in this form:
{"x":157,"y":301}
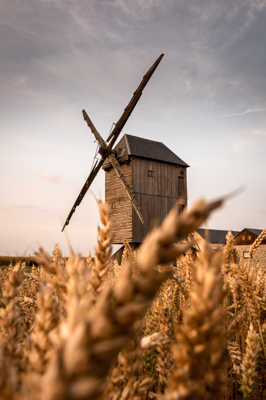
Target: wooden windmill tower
{"x":143,"y":178}
{"x":158,"y":180}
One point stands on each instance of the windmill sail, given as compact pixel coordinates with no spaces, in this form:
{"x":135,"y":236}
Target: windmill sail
{"x":106,"y":150}
{"x":131,"y":105}
{"x":84,"y":190}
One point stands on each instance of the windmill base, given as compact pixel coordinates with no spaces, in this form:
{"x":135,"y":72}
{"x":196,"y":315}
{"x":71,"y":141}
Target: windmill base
{"x":119,"y":253}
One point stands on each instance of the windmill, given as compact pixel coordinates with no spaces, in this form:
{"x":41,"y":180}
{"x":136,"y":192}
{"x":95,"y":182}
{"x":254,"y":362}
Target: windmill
{"x":144,"y":179}
{"x":106,"y":149}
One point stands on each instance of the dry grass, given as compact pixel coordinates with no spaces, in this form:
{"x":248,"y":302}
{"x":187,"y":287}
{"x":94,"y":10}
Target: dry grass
{"x":175,"y":320}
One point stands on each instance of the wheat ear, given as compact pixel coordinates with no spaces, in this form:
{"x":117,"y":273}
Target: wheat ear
{"x":257,"y":243}
{"x":10,"y":316}
{"x":198,"y":371}
{"x":103,"y":251}
{"x":249,"y":363}
{"x":46,"y":320}
{"x":81,"y":363}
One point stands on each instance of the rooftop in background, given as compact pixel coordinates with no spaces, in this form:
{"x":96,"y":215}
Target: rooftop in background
{"x":219,"y":236}
{"x":150,"y":149}
{"x":248,"y":236}
{"x":255,"y":231}
{"x":215,"y":235}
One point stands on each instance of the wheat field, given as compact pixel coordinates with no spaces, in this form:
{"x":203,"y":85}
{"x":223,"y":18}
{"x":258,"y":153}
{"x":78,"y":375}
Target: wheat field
{"x":176,"y":320}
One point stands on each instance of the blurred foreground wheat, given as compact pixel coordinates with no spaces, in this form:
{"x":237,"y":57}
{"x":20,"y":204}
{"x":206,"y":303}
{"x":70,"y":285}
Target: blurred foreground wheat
{"x":176,"y":320}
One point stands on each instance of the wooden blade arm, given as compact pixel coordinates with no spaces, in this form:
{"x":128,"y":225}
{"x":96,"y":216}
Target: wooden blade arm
{"x":129,"y":192}
{"x":131,"y":105}
{"x":84,"y":190}
{"x":103,"y":145}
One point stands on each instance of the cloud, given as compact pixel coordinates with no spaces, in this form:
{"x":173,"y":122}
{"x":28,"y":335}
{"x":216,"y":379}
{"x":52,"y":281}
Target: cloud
{"x":137,"y":7}
{"x":53,"y":179}
{"x":57,"y":50}
{"x":60,"y":56}
{"x":259,"y":133}
{"x":243,"y":145}
{"x":251,"y":142}
{"x":247,"y":111}
{"x":25,"y":207}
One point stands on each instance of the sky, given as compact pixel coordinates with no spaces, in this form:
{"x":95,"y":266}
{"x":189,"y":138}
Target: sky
{"x":206,"y":101}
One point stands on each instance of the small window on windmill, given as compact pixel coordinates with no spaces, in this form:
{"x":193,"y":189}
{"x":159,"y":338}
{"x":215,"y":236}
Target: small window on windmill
{"x":245,"y":254}
{"x":115,"y":204}
{"x":181,"y":185}
{"x":150,"y":173}
{"x":181,"y":208}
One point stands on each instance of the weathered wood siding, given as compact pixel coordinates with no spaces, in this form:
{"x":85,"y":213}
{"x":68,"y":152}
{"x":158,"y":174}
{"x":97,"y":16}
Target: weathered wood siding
{"x":120,"y":205}
{"x":156,"y":192}
{"x":156,"y":188}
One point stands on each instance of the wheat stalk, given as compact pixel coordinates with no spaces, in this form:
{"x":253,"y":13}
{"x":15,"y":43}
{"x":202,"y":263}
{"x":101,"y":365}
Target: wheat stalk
{"x":63,"y":338}
{"x":46,"y":320}
{"x":198,"y":371}
{"x":96,"y":341}
{"x":249,"y":363}
{"x":257,"y":243}
{"x":99,"y":266}
{"x":236,"y":357}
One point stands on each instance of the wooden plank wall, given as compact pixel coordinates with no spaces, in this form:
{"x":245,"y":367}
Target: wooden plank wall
{"x":120,"y":205}
{"x":155,"y":194}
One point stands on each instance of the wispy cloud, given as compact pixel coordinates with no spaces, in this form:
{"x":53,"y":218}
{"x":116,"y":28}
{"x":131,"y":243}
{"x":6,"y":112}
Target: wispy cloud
{"x":54,"y":179}
{"x":136,"y":8}
{"x":24,"y":207}
{"x":259,"y":132}
{"x":245,"y":112}
{"x":250,"y":142}
{"x":242,"y":145}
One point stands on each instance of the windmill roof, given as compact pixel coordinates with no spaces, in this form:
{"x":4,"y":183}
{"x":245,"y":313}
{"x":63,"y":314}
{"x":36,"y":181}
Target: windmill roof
{"x":150,"y":149}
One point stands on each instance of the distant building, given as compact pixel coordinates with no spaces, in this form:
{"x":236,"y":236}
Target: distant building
{"x":247,"y":236}
{"x":242,"y":239}
{"x":215,"y":236}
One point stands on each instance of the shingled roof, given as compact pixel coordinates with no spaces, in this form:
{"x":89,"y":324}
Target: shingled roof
{"x":255,"y":231}
{"x":215,"y":235}
{"x":150,"y":149}
{"x":219,"y":236}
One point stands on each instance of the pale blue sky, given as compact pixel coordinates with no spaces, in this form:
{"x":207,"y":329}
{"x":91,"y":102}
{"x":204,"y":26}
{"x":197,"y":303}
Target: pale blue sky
{"x":206,"y":102}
